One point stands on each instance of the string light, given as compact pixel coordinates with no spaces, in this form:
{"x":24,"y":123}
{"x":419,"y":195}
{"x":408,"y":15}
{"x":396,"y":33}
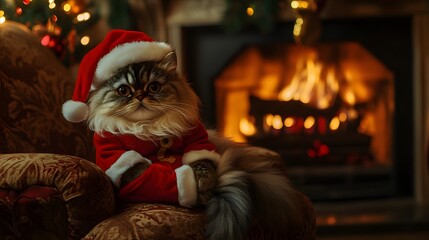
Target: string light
{"x":250,"y":11}
{"x":2,"y":17}
{"x":83,"y":16}
{"x":294,"y":4}
{"x":45,"y":40}
{"x":297,"y":27}
{"x":66,"y":7}
{"x":84,"y":40}
{"x":301,"y":4}
{"x":52,"y":4}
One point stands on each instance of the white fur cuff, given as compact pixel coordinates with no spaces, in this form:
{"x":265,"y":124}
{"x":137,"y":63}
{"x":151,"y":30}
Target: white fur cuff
{"x":186,"y":186}
{"x":124,"y":162}
{"x":196,"y":155}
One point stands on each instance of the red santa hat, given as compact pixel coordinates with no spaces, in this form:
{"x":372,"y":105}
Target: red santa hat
{"x":119,"y":49}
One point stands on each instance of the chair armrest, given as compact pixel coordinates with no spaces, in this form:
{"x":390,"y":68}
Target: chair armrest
{"x":86,"y":191}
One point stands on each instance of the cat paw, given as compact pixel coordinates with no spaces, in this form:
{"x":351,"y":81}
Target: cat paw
{"x":206,"y":179}
{"x":133,"y":172}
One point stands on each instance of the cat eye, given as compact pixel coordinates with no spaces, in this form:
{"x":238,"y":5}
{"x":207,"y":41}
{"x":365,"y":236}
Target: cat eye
{"x":154,"y":87}
{"x":124,"y":90}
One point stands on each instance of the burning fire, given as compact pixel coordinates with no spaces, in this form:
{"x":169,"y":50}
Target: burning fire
{"x":313,"y":83}
{"x":343,"y":86}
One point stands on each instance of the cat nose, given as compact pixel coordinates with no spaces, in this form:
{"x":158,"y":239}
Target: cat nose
{"x":141,"y":96}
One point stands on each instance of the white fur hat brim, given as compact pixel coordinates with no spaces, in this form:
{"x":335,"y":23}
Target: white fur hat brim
{"x":74,"y":111}
{"x":128,"y":53}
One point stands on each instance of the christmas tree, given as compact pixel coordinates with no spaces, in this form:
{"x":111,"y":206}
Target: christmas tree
{"x":61,"y":25}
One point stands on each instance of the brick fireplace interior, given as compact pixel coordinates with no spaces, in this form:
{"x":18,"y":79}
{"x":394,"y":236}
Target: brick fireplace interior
{"x":345,"y":113}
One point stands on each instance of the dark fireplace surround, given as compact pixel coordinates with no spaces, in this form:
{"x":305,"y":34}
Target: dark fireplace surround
{"x":207,"y":50}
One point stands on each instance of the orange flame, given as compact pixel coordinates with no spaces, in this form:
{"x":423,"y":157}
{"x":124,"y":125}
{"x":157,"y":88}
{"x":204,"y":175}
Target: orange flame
{"x":313,"y":83}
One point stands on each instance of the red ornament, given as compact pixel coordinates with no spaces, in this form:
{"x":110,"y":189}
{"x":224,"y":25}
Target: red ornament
{"x":26,"y":2}
{"x":55,"y":43}
{"x":18,"y":11}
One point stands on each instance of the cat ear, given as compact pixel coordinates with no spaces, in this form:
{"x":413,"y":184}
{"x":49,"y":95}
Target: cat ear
{"x":169,"y":62}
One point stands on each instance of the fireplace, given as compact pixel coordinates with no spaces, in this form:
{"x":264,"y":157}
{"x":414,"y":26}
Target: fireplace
{"x":350,"y":136}
{"x":335,"y":111}
{"x":327,"y":109}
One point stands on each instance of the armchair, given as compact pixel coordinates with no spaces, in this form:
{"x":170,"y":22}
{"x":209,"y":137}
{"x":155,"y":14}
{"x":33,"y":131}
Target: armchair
{"x":49,"y":186}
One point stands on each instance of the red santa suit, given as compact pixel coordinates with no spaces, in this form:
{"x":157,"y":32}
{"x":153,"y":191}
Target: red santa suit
{"x":169,"y":178}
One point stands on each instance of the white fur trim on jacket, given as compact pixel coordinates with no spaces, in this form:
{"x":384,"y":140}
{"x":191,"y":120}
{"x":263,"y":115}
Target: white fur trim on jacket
{"x":128,"y":53}
{"x":196,"y":155}
{"x":124,"y":162}
{"x":74,"y":111}
{"x":187,"y":186}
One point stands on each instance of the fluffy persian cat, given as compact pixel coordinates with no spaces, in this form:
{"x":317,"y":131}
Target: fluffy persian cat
{"x":150,"y":108}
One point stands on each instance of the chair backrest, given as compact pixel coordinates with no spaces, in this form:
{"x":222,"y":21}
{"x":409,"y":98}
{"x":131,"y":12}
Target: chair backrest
{"x":33,"y":86}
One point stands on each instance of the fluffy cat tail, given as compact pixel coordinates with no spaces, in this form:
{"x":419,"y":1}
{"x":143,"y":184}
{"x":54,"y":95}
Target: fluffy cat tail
{"x":228,"y":210}
{"x":252,"y":190}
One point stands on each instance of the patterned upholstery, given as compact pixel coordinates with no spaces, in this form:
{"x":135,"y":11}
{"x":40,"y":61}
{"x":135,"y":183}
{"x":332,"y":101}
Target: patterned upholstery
{"x":49,"y":187}
{"x":33,"y":86}
{"x":43,"y":196}
{"x":151,"y":221}
{"x":41,"y":191}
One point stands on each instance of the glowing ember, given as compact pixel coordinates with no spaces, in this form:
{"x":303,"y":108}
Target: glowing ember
{"x":289,"y":122}
{"x":309,"y":122}
{"x":247,"y":127}
{"x":334,"y":124}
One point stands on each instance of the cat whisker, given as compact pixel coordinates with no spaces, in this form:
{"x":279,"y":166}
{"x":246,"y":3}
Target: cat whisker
{"x":180,"y":110}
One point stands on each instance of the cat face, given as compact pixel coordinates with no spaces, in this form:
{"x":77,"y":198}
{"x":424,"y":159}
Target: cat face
{"x":147,"y":99}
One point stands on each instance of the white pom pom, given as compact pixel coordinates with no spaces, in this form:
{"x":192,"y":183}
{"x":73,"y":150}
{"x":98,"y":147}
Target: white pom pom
{"x":74,"y":111}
